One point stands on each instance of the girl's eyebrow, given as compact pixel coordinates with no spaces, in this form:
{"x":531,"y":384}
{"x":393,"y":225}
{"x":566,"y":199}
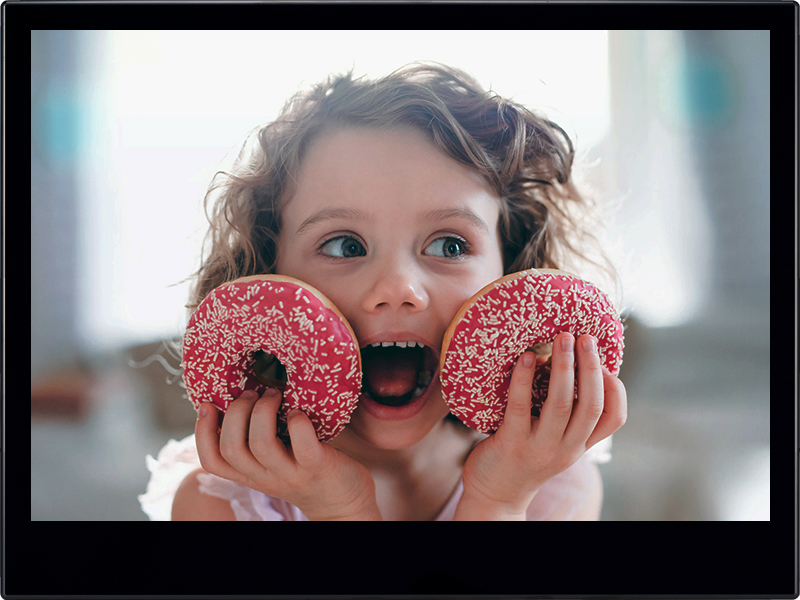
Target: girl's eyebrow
{"x":354,"y":214}
{"x":456,"y":213}
{"x":330,"y":214}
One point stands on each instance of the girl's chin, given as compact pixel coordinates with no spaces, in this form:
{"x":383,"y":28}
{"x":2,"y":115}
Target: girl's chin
{"x":397,"y":434}
{"x":398,"y":439}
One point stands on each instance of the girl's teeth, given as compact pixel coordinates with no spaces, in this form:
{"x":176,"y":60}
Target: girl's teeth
{"x":400,"y":344}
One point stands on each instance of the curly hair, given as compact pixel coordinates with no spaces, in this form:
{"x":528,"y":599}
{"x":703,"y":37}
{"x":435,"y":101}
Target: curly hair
{"x":544,"y":221}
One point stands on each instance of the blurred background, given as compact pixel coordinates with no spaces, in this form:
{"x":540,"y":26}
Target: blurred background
{"x":672,"y":128}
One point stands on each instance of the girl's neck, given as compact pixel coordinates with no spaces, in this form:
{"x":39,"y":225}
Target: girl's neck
{"x":414,"y":483}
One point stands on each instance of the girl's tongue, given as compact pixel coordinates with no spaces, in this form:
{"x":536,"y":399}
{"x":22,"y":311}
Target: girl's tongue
{"x":391,"y":371}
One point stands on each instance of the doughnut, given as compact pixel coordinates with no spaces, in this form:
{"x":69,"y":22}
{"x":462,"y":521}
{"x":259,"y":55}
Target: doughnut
{"x":247,"y":333}
{"x":518,"y":312}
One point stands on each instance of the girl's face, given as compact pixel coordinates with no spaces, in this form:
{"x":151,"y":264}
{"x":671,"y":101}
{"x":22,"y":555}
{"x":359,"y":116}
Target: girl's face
{"x":398,"y":236}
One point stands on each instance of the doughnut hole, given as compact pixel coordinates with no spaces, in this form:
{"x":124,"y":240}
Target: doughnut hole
{"x":541,"y":379}
{"x":543,"y":352}
{"x":269,"y":370}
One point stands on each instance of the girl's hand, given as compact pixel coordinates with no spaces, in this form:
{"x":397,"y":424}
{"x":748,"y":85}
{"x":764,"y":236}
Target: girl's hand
{"x":322,"y":482}
{"x":504,"y":471}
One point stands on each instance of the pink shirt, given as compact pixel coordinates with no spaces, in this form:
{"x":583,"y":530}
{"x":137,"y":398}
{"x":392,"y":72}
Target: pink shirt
{"x":558,"y":499}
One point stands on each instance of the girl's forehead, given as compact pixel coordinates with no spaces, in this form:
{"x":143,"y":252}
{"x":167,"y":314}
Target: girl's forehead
{"x":361,"y":168}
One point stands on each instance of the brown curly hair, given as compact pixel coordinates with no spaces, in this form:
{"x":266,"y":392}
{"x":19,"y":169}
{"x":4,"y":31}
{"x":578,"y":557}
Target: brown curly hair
{"x":544,"y":221}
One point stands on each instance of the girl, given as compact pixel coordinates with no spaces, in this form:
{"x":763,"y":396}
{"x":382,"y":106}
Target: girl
{"x":399,"y":198}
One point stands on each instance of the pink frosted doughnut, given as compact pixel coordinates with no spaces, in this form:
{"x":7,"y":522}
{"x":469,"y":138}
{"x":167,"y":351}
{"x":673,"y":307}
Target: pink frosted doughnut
{"x":285,"y":318}
{"x":506,"y":318}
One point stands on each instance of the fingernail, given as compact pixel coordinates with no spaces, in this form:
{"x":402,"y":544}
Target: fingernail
{"x":203,"y":410}
{"x":248,"y":395}
{"x":270,"y":392}
{"x":589,"y":344}
{"x":567,"y":342}
{"x":527,"y":360}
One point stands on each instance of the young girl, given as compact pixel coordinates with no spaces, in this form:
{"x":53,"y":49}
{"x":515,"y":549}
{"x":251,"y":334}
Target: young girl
{"x":398,"y":199}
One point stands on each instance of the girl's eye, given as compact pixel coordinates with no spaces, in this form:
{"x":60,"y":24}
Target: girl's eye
{"x":447,"y":247}
{"x":343,"y":247}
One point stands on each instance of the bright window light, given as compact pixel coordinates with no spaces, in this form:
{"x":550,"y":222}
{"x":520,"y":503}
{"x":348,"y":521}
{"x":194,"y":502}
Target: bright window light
{"x":664,"y":238}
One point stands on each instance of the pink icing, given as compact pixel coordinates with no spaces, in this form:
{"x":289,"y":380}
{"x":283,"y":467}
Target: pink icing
{"x":516,"y":313}
{"x":317,"y":349}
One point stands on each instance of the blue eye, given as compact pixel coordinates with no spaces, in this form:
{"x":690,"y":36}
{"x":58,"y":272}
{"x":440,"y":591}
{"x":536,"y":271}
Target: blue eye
{"x":343,"y":247}
{"x":447,"y":247}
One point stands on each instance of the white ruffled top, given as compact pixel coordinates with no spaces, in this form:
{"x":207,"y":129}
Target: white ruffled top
{"x":557,"y":499}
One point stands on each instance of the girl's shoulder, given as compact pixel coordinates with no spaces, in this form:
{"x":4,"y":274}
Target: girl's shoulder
{"x":575,"y":494}
{"x":168,"y":469}
{"x":192,"y":504}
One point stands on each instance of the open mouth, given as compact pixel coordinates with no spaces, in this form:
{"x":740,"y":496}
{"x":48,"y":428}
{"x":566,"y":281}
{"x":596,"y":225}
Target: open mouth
{"x":397,"y":373}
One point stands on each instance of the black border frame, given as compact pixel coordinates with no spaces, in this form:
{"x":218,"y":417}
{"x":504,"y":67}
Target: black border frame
{"x":480,"y":560}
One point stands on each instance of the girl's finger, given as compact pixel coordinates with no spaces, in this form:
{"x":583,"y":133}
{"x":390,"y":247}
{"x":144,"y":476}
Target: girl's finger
{"x":306,"y":448}
{"x":590,"y":393}
{"x":615,"y":409}
{"x":556,"y":411}
{"x":265,"y":445}
{"x":234,"y":437}
{"x":517,"y":418}
{"x":207,"y":440}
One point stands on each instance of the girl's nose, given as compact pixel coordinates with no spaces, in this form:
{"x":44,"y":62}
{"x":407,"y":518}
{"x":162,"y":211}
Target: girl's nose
{"x":395,"y":286}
